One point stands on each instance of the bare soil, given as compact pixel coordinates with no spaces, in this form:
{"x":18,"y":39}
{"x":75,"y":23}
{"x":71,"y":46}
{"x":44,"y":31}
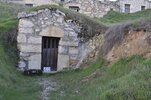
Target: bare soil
{"x":134,"y":43}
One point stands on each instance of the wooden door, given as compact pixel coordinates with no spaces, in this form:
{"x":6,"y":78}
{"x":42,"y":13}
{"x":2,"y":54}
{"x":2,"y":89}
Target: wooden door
{"x":49,"y":53}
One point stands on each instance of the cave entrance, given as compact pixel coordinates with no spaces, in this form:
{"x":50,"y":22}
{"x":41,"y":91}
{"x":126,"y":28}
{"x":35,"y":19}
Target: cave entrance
{"x":49,"y":53}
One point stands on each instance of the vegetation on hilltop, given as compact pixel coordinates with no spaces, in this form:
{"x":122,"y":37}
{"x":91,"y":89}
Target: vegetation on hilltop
{"x":128,"y":79}
{"x":115,"y":17}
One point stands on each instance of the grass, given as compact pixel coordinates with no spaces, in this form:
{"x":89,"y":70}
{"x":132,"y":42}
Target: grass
{"x":115,"y":17}
{"x":7,"y":24}
{"x":128,"y":79}
{"x":10,"y":10}
{"x":13,"y":85}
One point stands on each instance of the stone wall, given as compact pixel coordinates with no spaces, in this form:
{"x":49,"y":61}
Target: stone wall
{"x":135,"y":5}
{"x":95,"y":46}
{"x":90,"y":51}
{"x":41,"y":2}
{"x":93,"y":8}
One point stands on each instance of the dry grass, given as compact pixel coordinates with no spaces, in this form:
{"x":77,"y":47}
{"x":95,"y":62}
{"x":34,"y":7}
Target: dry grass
{"x":114,"y":35}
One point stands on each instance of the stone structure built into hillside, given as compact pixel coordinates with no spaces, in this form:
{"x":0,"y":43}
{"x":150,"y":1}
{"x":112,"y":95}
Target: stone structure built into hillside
{"x":131,"y":6}
{"x":94,"y":8}
{"x":48,"y":42}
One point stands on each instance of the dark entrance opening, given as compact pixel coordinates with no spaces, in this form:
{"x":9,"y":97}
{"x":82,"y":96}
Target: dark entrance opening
{"x":49,"y":53}
{"x":75,"y":8}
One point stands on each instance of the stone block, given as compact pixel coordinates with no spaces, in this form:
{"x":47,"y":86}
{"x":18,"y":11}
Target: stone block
{"x":30,"y":48}
{"x":73,"y":34}
{"x":52,"y":31}
{"x":22,"y":54}
{"x":35,"y":40}
{"x":69,"y":29}
{"x":74,"y":57}
{"x":49,"y":23}
{"x":24,"y":23}
{"x":68,"y":43}
{"x":73,"y":38}
{"x":34,"y":62}
{"x":37,"y":30}
{"x":60,"y":19}
{"x":61,"y":13}
{"x":63,"y":62}
{"x":34,"y":65}
{"x":21,"y":38}
{"x":66,"y":25}
{"x":26,"y":30}
{"x":63,"y":50}
{"x":73,"y":63}
{"x":22,"y":14}
{"x":69,"y":38}
{"x":21,"y":64}
{"x":65,"y":38}
{"x":73,"y":50}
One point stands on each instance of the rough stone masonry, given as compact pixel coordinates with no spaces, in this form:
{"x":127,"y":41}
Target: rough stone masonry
{"x":51,"y":23}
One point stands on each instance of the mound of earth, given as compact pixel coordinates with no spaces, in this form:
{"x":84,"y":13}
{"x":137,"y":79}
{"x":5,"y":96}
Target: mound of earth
{"x":134,"y":43}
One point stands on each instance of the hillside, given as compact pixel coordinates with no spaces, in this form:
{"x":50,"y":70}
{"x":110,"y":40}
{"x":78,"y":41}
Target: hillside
{"x":13,"y":85}
{"x":116,"y":18}
{"x":128,"y":78}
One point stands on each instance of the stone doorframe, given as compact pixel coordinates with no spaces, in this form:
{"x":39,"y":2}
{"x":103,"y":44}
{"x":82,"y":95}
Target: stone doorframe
{"x":56,"y":32}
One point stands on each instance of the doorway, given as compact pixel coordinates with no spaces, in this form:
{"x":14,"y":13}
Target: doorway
{"x":49,"y":53}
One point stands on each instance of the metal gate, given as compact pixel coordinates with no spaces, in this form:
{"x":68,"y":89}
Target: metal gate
{"x":49,"y":53}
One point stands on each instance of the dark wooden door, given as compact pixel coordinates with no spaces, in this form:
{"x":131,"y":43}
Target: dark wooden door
{"x":49,"y":53}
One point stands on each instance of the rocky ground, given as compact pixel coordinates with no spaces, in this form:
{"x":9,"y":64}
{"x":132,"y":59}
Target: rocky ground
{"x":47,"y":85}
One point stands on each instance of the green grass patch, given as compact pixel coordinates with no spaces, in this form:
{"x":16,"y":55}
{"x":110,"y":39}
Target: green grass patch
{"x":128,"y":79}
{"x":115,"y":17}
{"x":13,"y":85}
{"x":7,"y":24}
